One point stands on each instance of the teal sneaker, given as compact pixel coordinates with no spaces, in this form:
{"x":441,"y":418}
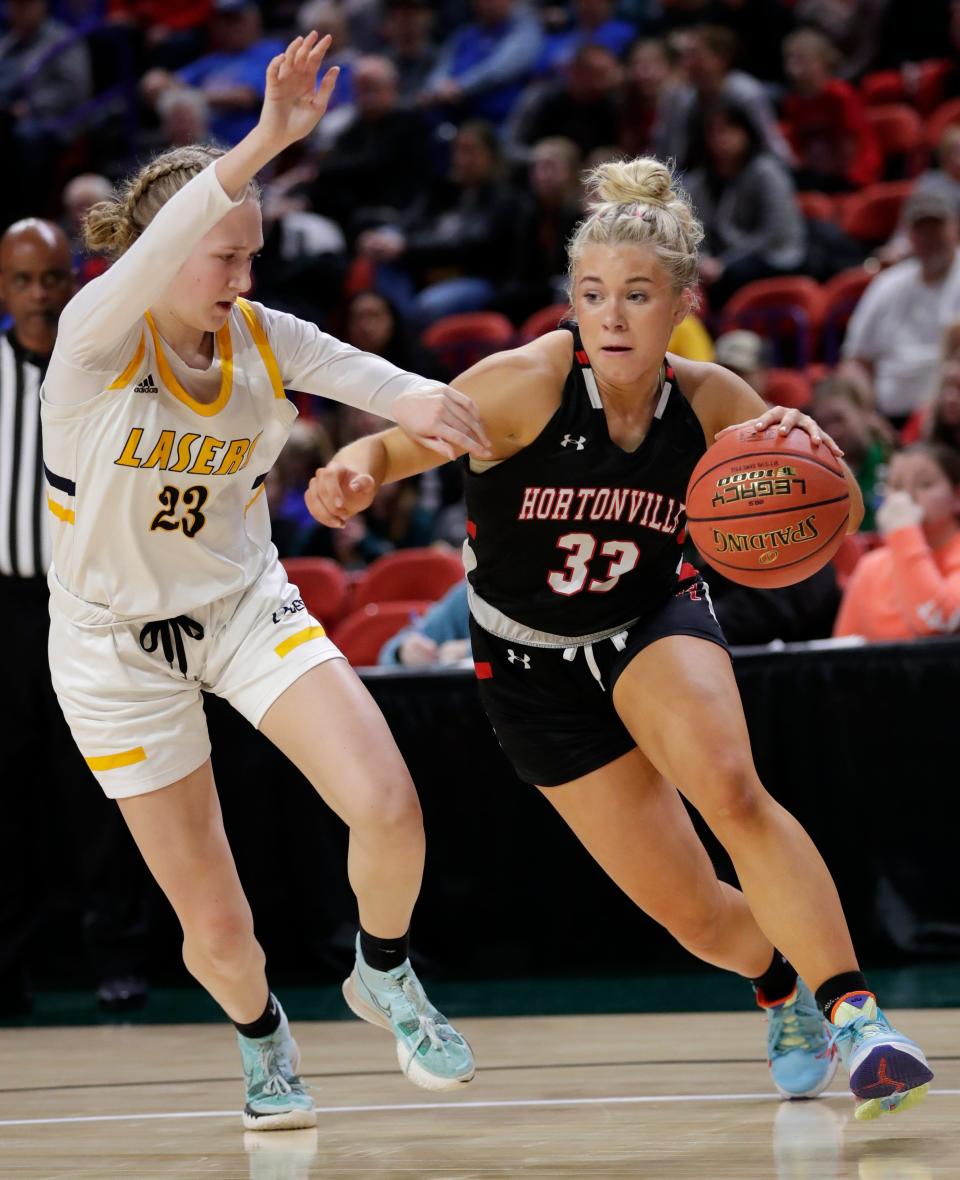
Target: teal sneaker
{"x":800,"y":1054}
{"x":888,"y":1071}
{"x":431,"y":1052}
{"x":276,"y":1098}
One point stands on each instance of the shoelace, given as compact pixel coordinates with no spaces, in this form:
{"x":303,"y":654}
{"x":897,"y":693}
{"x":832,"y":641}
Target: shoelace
{"x":432,"y":1025}
{"x":852,"y":1028}
{"x":270,"y":1064}
{"x":787,"y":1031}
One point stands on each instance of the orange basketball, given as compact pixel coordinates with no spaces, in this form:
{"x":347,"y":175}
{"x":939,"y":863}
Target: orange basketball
{"x":767,"y":509}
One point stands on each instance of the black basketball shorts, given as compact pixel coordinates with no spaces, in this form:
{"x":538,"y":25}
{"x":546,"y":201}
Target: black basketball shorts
{"x":554,"y":715}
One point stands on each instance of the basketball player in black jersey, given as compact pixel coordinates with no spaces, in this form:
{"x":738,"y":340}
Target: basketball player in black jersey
{"x":599,"y":660}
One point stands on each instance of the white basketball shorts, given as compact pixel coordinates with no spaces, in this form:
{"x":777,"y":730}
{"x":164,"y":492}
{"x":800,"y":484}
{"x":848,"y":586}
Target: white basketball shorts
{"x":131,"y":692}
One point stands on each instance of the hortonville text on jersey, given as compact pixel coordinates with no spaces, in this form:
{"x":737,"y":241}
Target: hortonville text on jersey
{"x":650,"y":510}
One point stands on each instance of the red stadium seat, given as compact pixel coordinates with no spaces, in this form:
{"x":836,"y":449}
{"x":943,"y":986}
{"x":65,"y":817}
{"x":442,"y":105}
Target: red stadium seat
{"x":919,"y":84}
{"x":362,"y":634}
{"x":945,"y":114}
{"x":817,"y":206}
{"x":542,"y":321}
{"x":841,"y":295}
{"x":871,"y":215}
{"x":852,"y":548}
{"x":459,"y":341}
{"x":786,"y":310}
{"x":322,"y":584}
{"x":787,"y":387}
{"x":883,"y":86}
{"x":899,"y":131}
{"x":407,"y":573}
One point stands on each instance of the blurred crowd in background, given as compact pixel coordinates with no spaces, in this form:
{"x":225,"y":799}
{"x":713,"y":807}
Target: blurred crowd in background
{"x":426,"y":220}
{"x":427,"y":217}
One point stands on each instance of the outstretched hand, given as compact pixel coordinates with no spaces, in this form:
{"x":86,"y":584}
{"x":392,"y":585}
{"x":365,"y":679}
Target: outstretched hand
{"x":293,"y":103}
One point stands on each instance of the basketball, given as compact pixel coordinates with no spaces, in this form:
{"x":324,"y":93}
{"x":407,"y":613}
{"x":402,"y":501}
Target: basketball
{"x":767,"y":509}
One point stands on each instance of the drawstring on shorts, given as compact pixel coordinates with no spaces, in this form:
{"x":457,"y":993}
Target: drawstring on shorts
{"x":619,"y":641}
{"x":169,"y":634}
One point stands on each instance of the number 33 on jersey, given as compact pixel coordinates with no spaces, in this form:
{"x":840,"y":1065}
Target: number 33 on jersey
{"x":573,"y":535}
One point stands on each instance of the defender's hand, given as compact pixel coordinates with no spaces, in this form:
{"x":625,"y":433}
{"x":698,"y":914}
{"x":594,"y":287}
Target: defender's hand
{"x":292,"y":104}
{"x":444,"y":420}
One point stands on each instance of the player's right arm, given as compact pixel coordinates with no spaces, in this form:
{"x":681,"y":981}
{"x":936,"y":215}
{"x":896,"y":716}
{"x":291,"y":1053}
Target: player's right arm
{"x":516,"y":392}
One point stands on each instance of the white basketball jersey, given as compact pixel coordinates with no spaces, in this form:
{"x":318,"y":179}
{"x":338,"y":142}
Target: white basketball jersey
{"x":157,"y":499}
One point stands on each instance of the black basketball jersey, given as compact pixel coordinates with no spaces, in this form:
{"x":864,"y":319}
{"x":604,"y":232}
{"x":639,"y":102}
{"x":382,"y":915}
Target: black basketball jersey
{"x":573,"y":535}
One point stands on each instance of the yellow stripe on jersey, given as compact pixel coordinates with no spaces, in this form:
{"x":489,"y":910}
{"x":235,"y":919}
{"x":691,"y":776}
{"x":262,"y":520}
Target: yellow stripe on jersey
{"x":250,"y":502}
{"x":304,"y":636}
{"x":263,"y":347}
{"x":128,"y":372}
{"x":115,"y":761}
{"x":61,"y":513}
{"x":225,"y":346}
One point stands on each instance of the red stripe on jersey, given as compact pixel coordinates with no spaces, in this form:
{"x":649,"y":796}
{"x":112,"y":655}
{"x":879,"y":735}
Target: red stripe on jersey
{"x":682,"y":536}
{"x":471,"y":530}
{"x":484,"y":670}
{"x":689,"y":571}
{"x":668,"y":372}
{"x":582,"y":358}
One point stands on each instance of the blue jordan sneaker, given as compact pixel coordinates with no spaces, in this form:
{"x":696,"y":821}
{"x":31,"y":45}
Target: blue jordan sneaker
{"x":801,"y":1057}
{"x":430,"y":1050}
{"x":888,"y":1071}
{"x":276,"y":1098}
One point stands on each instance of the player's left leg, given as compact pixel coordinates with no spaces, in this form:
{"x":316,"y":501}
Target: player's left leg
{"x":329,"y":726}
{"x":680,"y":702}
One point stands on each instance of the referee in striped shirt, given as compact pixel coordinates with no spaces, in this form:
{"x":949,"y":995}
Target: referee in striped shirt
{"x":53,"y":811}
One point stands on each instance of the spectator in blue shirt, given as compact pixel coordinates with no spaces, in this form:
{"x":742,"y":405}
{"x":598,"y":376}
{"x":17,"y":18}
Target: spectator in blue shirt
{"x":440,"y":636}
{"x":483,"y":67}
{"x":232,"y":77}
{"x":594,"y":24}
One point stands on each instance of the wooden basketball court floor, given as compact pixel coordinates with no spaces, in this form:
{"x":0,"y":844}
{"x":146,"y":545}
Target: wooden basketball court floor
{"x":651,"y":1097}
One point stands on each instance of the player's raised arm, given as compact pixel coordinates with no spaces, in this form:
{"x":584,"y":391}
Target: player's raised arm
{"x":152,"y":238}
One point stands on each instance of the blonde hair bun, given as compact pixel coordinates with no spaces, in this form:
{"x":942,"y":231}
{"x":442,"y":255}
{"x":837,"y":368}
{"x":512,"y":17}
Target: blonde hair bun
{"x":644,"y":181}
{"x":637,"y":202}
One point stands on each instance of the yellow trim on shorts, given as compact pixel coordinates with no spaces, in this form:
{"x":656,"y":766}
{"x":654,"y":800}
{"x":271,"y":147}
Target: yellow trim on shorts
{"x":263,"y":347}
{"x":168,"y":377}
{"x":128,"y":372}
{"x":304,"y":636}
{"x":65,"y":514}
{"x":115,"y":761}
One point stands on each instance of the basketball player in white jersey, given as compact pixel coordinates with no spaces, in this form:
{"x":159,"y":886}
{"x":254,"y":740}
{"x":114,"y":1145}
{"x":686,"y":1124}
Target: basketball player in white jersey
{"x":163,"y":409}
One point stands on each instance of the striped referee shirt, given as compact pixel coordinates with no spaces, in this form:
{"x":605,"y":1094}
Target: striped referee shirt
{"x":24,"y":535}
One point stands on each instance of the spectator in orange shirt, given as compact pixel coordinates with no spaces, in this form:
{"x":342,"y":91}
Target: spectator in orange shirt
{"x":834,"y":147}
{"x":910,"y":586}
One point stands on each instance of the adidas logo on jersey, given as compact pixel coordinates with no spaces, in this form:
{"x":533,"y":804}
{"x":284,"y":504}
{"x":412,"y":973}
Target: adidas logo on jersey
{"x":147,"y":385}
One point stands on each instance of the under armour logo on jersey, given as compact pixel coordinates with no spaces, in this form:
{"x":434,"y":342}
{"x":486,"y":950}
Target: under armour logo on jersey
{"x":515,"y":659}
{"x":569,"y":441}
{"x":147,"y":385}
